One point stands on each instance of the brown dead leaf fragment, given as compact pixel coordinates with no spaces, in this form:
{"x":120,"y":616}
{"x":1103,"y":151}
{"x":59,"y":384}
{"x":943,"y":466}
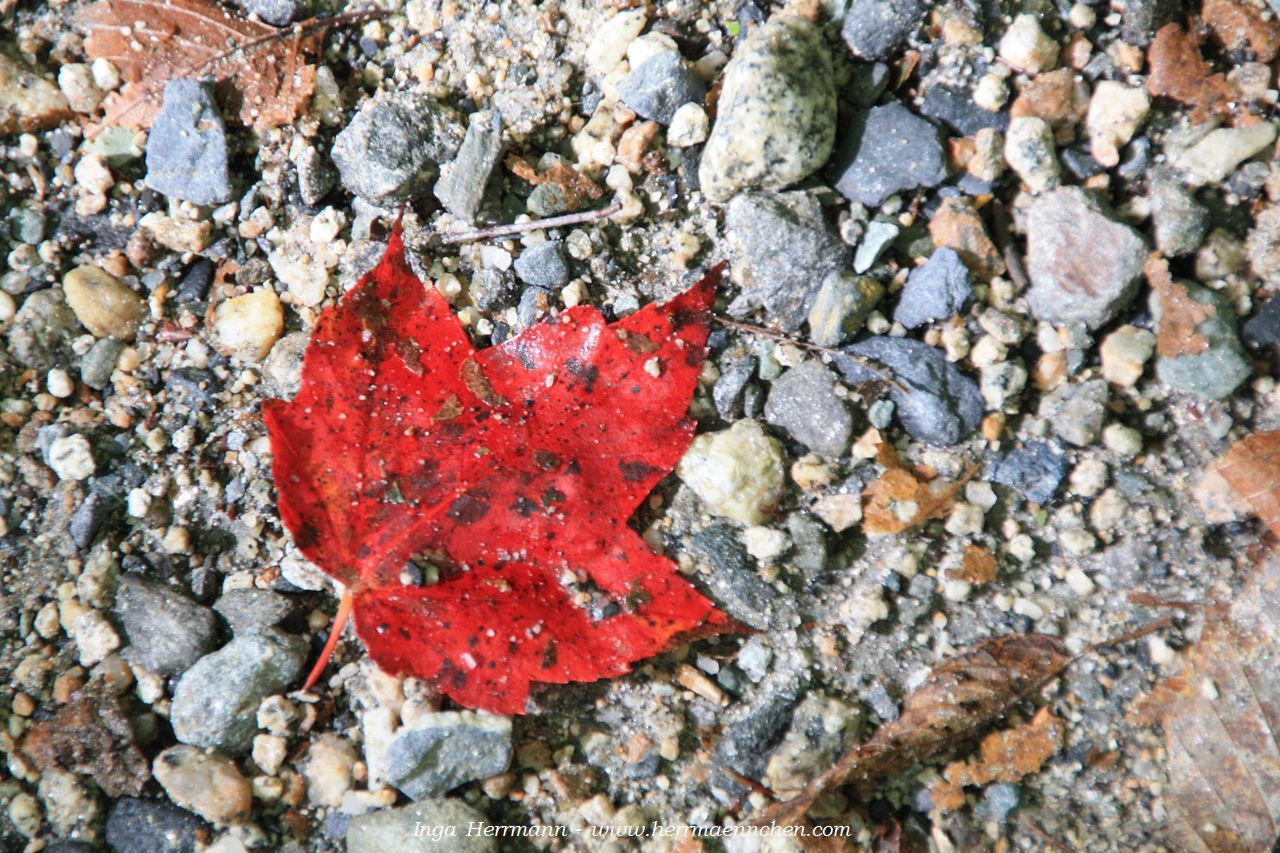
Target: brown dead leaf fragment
{"x":1004,"y":756}
{"x":900,"y":498}
{"x":154,"y":41}
{"x":1251,"y":468}
{"x":91,"y":735}
{"x":1180,"y":314}
{"x":961,"y":697}
{"x":576,"y":187}
{"x":1221,"y":716}
{"x":1178,"y":71}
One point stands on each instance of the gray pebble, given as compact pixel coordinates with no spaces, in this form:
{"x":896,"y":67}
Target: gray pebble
{"x":879,"y":29}
{"x":1076,"y":411}
{"x":187,"y":146}
{"x":316,"y":175}
{"x":446,"y":829}
{"x":661,"y":85}
{"x":543,"y":265}
{"x":247,"y":610}
{"x":1084,"y":267}
{"x":938,"y":289}
{"x":278,"y":13}
{"x":438,"y":752}
{"x":1217,"y":369}
{"x":216,"y":701}
{"x":390,"y":151}
{"x":463,"y":180}
{"x":42,"y":329}
{"x":886,"y":150}
{"x":137,"y":825}
{"x":736,"y":369}
{"x":781,"y":249}
{"x":1180,"y":221}
{"x":803,"y":402}
{"x":937,"y":404}
{"x":166,"y":632}
{"x":1034,"y":469}
{"x":731,"y":576}
{"x":1263,"y":328}
{"x":547,"y":200}
{"x":879,"y":236}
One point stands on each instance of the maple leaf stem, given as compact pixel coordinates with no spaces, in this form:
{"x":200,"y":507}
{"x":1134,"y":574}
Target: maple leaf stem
{"x":883,"y":373}
{"x":339,"y":620}
{"x":532,"y":225}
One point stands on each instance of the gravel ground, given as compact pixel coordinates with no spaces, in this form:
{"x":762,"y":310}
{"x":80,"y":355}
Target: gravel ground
{"x":1055,"y":228}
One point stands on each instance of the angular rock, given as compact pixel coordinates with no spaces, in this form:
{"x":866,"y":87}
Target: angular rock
{"x":1084,"y":267}
{"x":464,"y":179}
{"x":391,"y":150}
{"x":879,"y":236}
{"x":1034,"y":469}
{"x":28,"y":101}
{"x":216,"y":700}
{"x":886,"y":150}
{"x":1029,"y":151}
{"x":1180,"y":221}
{"x":247,"y":610}
{"x":247,"y":326}
{"x":841,"y":307}
{"x":803,"y":402}
{"x":40,"y":336}
{"x":736,"y":472}
{"x":166,"y":632}
{"x":662,"y":84}
{"x":137,"y":825}
{"x":937,"y":403}
{"x":937,"y":289}
{"x":879,"y":29}
{"x":781,"y":248}
{"x":1216,"y":155}
{"x":438,"y":752}
{"x":775,"y":120}
{"x":1263,"y":328}
{"x":445,"y":828}
{"x":103,"y":304}
{"x":187,"y":146}
{"x":732,"y":577}
{"x":1076,"y":411}
{"x":543,"y":265}
{"x":1198,"y":349}
{"x":99,"y":362}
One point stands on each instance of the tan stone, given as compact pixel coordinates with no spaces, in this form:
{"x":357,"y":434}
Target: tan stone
{"x":104,"y":304}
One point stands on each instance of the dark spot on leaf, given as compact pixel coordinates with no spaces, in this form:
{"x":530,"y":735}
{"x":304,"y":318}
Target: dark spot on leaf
{"x":635,"y":472}
{"x":546,"y":460}
{"x":470,"y":507}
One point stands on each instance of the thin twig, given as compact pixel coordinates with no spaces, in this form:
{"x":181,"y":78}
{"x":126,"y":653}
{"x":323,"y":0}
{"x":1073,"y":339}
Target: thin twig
{"x":532,"y":225}
{"x":882,"y":373}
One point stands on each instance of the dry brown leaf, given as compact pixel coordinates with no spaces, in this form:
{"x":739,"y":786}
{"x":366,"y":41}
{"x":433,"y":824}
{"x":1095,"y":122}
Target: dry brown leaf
{"x":90,"y":735}
{"x":961,"y":698}
{"x":1180,"y":315}
{"x":577,"y":187}
{"x":1004,"y":756}
{"x":1177,"y":71}
{"x":1221,"y":715}
{"x":1251,"y":468}
{"x":154,"y":41}
{"x":900,"y":498}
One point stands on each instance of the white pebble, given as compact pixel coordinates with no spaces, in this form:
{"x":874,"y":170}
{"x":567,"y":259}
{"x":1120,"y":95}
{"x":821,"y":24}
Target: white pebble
{"x":1125,"y":442}
{"x":1080,"y":583}
{"x":689,"y":126}
{"x":1027,"y":607}
{"x":71,"y":458}
{"x":59,"y":383}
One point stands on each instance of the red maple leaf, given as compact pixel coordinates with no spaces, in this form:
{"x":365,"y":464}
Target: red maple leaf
{"x":515,"y":468}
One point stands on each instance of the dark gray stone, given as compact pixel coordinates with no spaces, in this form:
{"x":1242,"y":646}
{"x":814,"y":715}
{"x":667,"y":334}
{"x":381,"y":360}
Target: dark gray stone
{"x":938,"y":289}
{"x":1035,"y":469}
{"x":42,"y":330}
{"x":752,"y":729}
{"x":137,"y":825}
{"x":736,"y":369}
{"x":661,"y":85}
{"x":1221,"y":366}
{"x":275,"y":12}
{"x":950,"y":101}
{"x":438,"y":752}
{"x":781,"y":249}
{"x":1263,"y":328}
{"x":216,"y":702}
{"x":195,"y":283}
{"x":886,"y":150}
{"x":879,"y":29}
{"x":547,"y":200}
{"x":543,"y":265}
{"x":492,"y":289}
{"x":166,"y":632}
{"x":463,"y":180}
{"x":732,"y":580}
{"x":391,"y":150}
{"x":247,"y":610}
{"x":99,"y":362}
{"x":1142,"y":19}
{"x":937,"y":403}
{"x":88,"y":519}
{"x":803,"y":402}
{"x":187,"y":146}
